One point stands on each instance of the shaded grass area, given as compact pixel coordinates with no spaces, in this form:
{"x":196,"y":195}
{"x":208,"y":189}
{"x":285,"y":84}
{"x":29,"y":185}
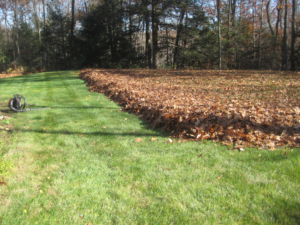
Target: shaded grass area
{"x":85,"y":161}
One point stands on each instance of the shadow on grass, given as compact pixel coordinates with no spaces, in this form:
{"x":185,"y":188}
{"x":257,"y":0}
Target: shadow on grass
{"x":40,"y":77}
{"x":55,"y":107}
{"x":100,"y":133}
{"x":286,"y":211}
{"x":278,"y":156}
{"x":82,"y":107}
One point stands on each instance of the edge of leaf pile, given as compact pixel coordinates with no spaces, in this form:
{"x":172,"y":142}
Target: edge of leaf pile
{"x":194,"y":120}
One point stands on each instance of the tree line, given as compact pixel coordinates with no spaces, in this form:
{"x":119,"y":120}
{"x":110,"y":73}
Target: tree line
{"x":37,"y":35}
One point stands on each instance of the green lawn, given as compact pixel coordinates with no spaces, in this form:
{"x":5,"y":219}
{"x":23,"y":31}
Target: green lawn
{"x":85,"y":161}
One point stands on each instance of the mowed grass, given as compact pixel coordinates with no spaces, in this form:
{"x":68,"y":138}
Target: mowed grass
{"x":85,"y":161}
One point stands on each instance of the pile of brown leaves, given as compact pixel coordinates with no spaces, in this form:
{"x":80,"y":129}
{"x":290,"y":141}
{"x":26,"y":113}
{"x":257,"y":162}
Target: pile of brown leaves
{"x":3,"y":75}
{"x":243,"y":108}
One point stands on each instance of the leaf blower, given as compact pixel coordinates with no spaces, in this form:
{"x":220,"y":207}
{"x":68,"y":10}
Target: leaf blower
{"x":18,"y":104}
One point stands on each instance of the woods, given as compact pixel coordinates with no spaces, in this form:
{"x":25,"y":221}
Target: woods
{"x":39,"y":35}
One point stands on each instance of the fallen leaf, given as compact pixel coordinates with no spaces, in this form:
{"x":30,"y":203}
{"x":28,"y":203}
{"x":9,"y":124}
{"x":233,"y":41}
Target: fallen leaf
{"x":44,"y":128}
{"x":216,"y":115}
{"x":104,"y":127}
{"x":138,"y":140}
{"x":81,"y":136}
{"x":200,"y":155}
{"x":219,"y":177}
{"x":153,"y":139}
{"x":2,"y":181}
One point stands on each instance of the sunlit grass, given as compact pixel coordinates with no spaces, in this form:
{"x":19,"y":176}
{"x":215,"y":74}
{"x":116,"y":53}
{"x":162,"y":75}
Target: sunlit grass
{"x":85,"y":161}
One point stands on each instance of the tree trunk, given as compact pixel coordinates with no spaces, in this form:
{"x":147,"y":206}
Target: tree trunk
{"x":279,"y":10}
{"x":293,"y":63}
{"x":130,"y":24}
{"x":111,"y":41}
{"x":219,"y":36}
{"x":63,"y":44}
{"x":37,"y":24}
{"x":254,"y":11}
{"x":148,"y":42}
{"x":285,"y":64}
{"x":179,"y":30}
{"x":72,"y":32}
{"x":233,"y":7}
{"x":16,"y":21}
{"x":185,"y":39}
{"x":167,"y":43}
{"x":269,"y":20}
{"x":45,"y":43}
{"x":259,"y":39}
{"x":6,"y":30}
{"x":229,"y":17}
{"x":154,"y":32}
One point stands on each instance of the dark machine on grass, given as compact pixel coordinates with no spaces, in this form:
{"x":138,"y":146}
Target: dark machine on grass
{"x":18,"y":104}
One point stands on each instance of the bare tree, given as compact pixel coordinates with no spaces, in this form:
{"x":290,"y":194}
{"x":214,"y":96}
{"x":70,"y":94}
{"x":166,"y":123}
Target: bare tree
{"x":279,"y":12}
{"x":269,"y":19}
